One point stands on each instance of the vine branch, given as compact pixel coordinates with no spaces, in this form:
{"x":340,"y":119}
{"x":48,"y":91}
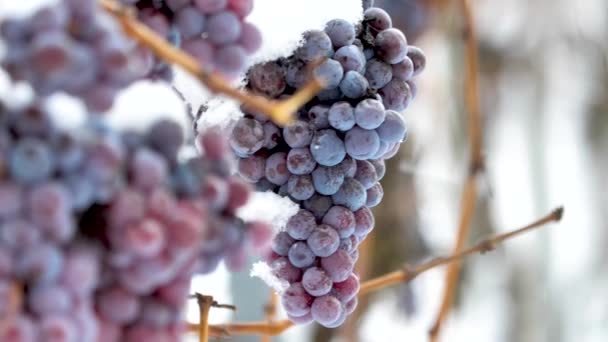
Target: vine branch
{"x":469,"y":194}
{"x":280,"y":112}
{"x":404,"y":275}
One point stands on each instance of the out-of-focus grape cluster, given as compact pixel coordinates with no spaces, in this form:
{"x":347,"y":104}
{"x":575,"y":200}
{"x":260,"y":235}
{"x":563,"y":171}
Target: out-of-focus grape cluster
{"x":73,"y":47}
{"x":102,"y":231}
{"x":213,"y":31}
{"x":331,"y":158}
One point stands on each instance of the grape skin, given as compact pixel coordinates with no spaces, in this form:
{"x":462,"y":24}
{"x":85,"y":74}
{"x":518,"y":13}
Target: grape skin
{"x":327,"y":148}
{"x":326,"y":309}
{"x":316,"y":282}
{"x":340,"y":32}
{"x":351,"y":195}
{"x":324,"y":240}
{"x":300,"y":161}
{"x":300,"y":255}
{"x":327,"y":180}
{"x":361,"y":143}
{"x":341,"y":116}
{"x":341,"y":219}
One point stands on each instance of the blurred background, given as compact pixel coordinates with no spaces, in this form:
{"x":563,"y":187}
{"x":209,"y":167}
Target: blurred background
{"x":543,"y":67}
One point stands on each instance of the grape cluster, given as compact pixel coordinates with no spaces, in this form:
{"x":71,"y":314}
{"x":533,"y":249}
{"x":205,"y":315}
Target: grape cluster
{"x":331,"y":158}
{"x":101,"y":231}
{"x":74,"y":48}
{"x":213,"y":31}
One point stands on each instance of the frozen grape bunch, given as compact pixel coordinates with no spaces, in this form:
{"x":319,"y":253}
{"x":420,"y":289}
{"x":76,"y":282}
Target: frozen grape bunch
{"x":73,"y":47}
{"x":330,"y":160}
{"x":213,"y":31}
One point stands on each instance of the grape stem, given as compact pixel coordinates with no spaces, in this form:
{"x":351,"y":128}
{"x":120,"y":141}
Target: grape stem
{"x":404,"y":275}
{"x":271,"y":312}
{"x":281,"y":112}
{"x":204,"y":305}
{"x":468,"y":198}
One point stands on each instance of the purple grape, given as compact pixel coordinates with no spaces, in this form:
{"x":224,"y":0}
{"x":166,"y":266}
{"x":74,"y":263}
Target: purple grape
{"x":58,"y":328}
{"x":296,"y":300}
{"x":392,"y":151}
{"x":316,"y":46}
{"x":330,"y":72}
{"x":300,"y":255}
{"x":19,"y":328}
{"x":11,"y":195}
{"x":319,"y":116}
{"x":281,"y":243}
{"x":354,"y":85}
{"x":318,"y":205}
{"x":300,"y":187}
{"x":230,"y":60}
{"x":341,"y":319}
{"x":174,"y":5}
{"x":361,"y":143}
{"x":364,"y":222}
{"x":6,"y":264}
{"x":391,"y":46}
{"x":327,"y":180}
{"x":418,"y":59}
{"x":380,"y":167}
{"x":316,"y":281}
{"x":396,"y":95}
{"x":190,"y":22}
{"x":369,"y":114}
{"x":31,"y":161}
{"x":267,"y":78}
{"x":346,"y":244}
{"x":241,"y":7}
{"x":210,"y":6}
{"x":296,"y":74}
{"x":276,"y":168}
{"x":117,"y":305}
{"x":374,"y":195}
{"x":351,"y":305}
{"x":413,"y":88}
{"x":377,"y":19}
{"x":298,"y":134}
{"x":341,"y":116}
{"x":145,"y":239}
{"x":49,"y":300}
{"x":347,"y":167}
{"x":366,"y":174}
{"x":341,"y":32}
{"x":17,"y":233}
{"x":247,"y":136}
{"x":393,"y":129}
{"x":403,"y":70}
{"x":251,"y":38}
{"x":301,"y":225}
{"x":283,"y":269}
{"x":327,"y":148}
{"x":341,"y":219}
{"x":378,"y":73}
{"x":351,"y":58}
{"x":300,"y":161}
{"x":326,"y":309}
{"x":252,"y":168}
{"x":203,"y":51}
{"x":272,"y":134}
{"x":324,"y":240}
{"x":148,"y":169}
{"x":351,"y":195}
{"x":338,"y":265}
{"x":346,"y":290}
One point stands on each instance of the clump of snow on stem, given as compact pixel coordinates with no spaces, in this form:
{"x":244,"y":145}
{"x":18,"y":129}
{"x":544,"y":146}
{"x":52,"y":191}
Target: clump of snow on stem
{"x":261,"y":270}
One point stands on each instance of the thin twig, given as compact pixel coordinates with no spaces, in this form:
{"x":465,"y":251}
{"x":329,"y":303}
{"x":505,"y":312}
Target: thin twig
{"x":271,"y":312}
{"x":204,"y":305}
{"x":407,"y":274}
{"x":469,"y":194}
{"x":280,"y":112}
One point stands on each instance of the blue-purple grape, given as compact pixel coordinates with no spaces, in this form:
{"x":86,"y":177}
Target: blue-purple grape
{"x":326,"y":309}
{"x":330,"y":72}
{"x":282,"y":243}
{"x":377,"y":19}
{"x":327,"y":148}
{"x":391,"y":46}
{"x":318,"y":205}
{"x":341,"y":116}
{"x":301,"y":255}
{"x":418,"y":59}
{"x":316,"y":281}
{"x":317,"y":45}
{"x":247,"y":136}
{"x":267,"y":78}
{"x":351,"y":58}
{"x":366,"y":174}
{"x":369,"y":114}
{"x":300,"y":188}
{"x":403,"y":70}
{"x":364,"y":221}
{"x":396,"y":95}
{"x":361,"y":143}
{"x":354,"y":85}
{"x":324,"y":240}
{"x":341,"y":32}
{"x":341,"y":219}
{"x":319,"y":116}
{"x":338,"y":266}
{"x":351,"y":195}
{"x":301,"y":225}
{"x":327,"y":180}
{"x":298,"y":134}
{"x":374,"y":195}
{"x":300,"y":161}
{"x":393,"y":129}
{"x":276,"y":168}
{"x":378,"y":73}
{"x":296,"y":300}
